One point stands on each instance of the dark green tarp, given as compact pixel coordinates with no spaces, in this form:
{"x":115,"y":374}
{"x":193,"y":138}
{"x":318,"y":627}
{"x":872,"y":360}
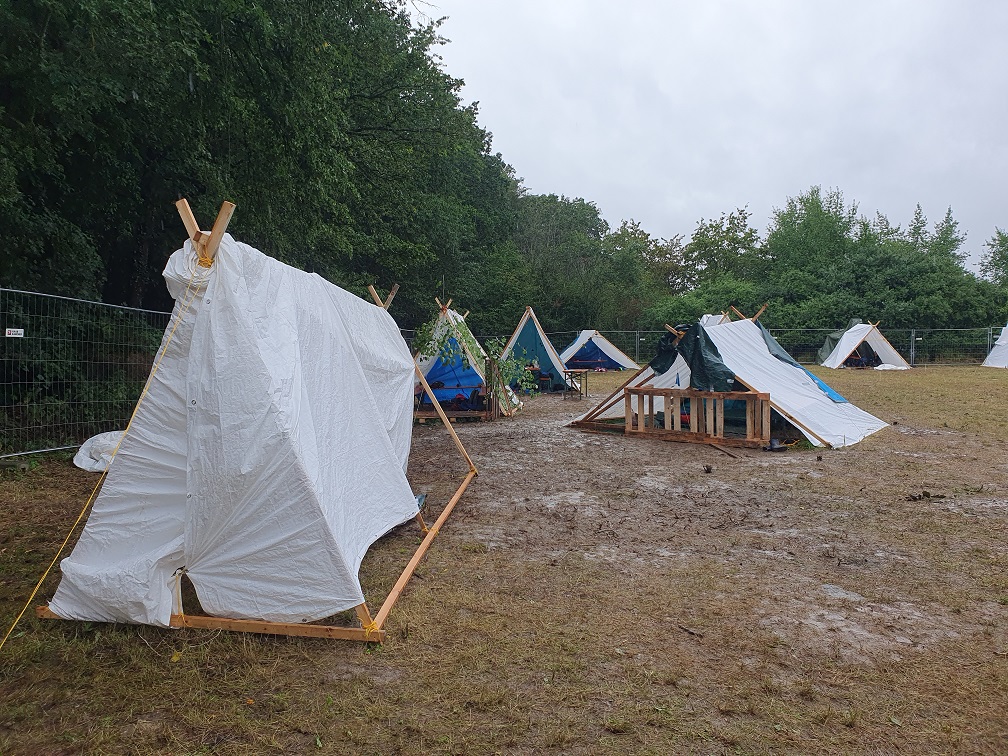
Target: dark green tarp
{"x":707,"y":370}
{"x":832,"y":340}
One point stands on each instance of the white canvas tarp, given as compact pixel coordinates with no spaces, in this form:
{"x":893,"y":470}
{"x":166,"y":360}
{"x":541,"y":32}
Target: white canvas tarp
{"x":95,"y":454}
{"x":793,"y":393}
{"x":677,"y":376}
{"x":998,"y":356}
{"x":852,"y":338}
{"x":267,"y":455}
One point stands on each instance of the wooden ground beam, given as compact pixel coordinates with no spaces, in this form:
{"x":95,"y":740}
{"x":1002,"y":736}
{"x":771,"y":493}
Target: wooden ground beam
{"x":610,"y":401}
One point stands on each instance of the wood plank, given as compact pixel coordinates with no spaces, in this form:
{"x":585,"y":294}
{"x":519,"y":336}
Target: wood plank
{"x":188,"y":219}
{"x":765,"y":425}
{"x":441,"y":414}
{"x":407,"y":573}
{"x":677,"y":418}
{"x":303,"y":630}
{"x":709,"y":417}
{"x":300,"y":629}
{"x":391,"y":296}
{"x":374,"y":295}
{"x":721,"y":448}
{"x":363,"y":614}
{"x":693,"y":438}
{"x":694,"y":414}
{"x":219,"y":227}
{"x":719,"y":419}
{"x":749,"y":420}
{"x":628,"y":411}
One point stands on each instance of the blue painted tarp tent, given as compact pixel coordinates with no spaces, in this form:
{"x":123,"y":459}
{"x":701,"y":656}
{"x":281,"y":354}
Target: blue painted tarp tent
{"x":593,"y":351}
{"x":530,"y":345}
{"x":455,"y":370}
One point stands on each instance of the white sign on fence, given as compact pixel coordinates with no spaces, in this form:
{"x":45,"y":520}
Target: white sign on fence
{"x":15,"y":333}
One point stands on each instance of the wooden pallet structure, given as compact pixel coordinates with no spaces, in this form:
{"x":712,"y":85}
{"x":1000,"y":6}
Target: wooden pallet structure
{"x":371,"y":626}
{"x":686,"y":415}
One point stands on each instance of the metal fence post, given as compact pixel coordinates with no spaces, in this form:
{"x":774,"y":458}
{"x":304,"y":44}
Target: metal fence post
{"x":913,"y":347}
{"x":990,"y":338}
{"x":636,"y":349}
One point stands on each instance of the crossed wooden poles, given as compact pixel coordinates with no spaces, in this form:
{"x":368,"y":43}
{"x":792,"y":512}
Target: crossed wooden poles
{"x":371,"y":627}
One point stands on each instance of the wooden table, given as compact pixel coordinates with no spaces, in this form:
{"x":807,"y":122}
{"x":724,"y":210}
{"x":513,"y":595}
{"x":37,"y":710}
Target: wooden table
{"x":577,"y":378}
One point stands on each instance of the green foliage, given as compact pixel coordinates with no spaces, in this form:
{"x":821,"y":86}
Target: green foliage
{"x":512,"y":368}
{"x":344,"y":142}
{"x":995,"y":260}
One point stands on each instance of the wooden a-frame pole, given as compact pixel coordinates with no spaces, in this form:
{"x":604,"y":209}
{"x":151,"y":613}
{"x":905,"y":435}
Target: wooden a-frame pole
{"x":206,"y":243}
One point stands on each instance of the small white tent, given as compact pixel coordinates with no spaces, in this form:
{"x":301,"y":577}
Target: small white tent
{"x":998,"y":356}
{"x":866,"y":333}
{"x":267,"y":454}
{"x":591,"y":350}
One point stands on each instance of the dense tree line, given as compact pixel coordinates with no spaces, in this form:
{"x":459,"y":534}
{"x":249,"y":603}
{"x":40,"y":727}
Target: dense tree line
{"x":349,"y":153}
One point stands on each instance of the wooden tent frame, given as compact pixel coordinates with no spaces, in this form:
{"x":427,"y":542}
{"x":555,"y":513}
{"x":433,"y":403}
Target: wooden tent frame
{"x":371,"y":627}
{"x":497,"y":403}
{"x":591,"y":421}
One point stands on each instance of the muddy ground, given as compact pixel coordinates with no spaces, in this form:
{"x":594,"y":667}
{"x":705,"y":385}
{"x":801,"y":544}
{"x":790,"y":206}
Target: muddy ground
{"x":595,"y":594}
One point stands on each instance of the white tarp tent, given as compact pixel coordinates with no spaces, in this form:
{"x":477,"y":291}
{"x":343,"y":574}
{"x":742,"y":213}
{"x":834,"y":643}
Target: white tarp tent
{"x":998,"y":356}
{"x":268,"y":453}
{"x":793,"y":392}
{"x":866,"y":332}
{"x":601,"y":348}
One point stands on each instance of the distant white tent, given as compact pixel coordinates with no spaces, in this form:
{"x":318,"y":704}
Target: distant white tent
{"x":998,"y":356}
{"x":866,"y":333}
{"x":592,"y":350}
{"x":821,"y":414}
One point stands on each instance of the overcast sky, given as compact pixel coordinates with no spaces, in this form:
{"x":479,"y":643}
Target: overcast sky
{"x":669,"y":112}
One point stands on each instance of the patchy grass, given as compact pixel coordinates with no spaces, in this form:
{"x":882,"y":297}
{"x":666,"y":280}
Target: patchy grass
{"x":593,"y":594}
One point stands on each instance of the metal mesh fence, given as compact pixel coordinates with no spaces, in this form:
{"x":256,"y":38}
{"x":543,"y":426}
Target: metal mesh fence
{"x":919,"y":346}
{"x":70,"y":368}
